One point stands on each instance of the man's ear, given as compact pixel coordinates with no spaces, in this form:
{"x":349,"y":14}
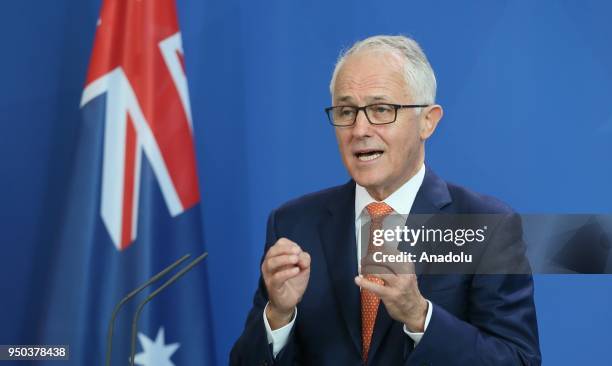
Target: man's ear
{"x":429,"y":119}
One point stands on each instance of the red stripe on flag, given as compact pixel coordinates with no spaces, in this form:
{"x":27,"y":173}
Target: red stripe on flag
{"x":182,"y":60}
{"x":128,"y":184}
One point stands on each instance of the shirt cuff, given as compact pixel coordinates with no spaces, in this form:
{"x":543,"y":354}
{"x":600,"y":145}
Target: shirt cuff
{"x":278,"y":338}
{"x":416,"y":337}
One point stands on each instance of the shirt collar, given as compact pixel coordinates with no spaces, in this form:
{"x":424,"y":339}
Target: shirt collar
{"x":400,"y":201}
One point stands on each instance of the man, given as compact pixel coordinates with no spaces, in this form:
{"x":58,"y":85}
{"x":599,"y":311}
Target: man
{"x":313,"y":307}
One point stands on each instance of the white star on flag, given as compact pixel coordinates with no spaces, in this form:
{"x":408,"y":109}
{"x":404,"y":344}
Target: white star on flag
{"x":155,"y":353}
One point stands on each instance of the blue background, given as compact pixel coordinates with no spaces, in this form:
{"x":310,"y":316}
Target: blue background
{"x":526,"y":87}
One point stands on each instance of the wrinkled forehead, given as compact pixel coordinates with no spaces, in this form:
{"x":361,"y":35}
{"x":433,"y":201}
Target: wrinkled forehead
{"x":370,"y":73}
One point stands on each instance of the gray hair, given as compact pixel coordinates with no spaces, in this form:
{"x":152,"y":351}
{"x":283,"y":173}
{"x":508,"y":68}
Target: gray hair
{"x":418,"y":73}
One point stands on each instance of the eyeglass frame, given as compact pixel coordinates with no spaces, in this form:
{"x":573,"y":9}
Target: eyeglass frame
{"x":396,"y":107}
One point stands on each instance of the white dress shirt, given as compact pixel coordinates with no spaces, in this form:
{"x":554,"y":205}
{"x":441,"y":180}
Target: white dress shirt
{"x":401,"y":202}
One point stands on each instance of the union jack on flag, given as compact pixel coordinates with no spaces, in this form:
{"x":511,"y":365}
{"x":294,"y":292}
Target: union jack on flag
{"x":137,"y":61}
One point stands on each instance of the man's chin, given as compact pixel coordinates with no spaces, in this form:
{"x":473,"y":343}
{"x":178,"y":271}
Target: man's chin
{"x":368,"y":182}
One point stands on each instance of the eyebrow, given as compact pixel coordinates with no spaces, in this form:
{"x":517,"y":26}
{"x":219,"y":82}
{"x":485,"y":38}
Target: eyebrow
{"x":376,"y":98}
{"x":346,"y":98}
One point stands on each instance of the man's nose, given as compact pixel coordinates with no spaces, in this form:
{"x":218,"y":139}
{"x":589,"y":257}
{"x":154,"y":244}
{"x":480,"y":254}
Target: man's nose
{"x":362,"y":126}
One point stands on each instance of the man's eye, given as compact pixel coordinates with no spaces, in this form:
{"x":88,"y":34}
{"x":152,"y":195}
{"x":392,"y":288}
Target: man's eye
{"x":382,"y":109}
{"x":347,"y":112}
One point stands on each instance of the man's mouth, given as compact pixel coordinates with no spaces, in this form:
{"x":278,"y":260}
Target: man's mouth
{"x":368,"y":155}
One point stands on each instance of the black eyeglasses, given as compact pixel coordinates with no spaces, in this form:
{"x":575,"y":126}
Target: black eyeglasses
{"x":376,"y":114}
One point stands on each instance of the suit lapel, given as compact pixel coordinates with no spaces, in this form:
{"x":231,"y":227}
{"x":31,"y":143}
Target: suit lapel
{"x":431,"y":197}
{"x":337,"y":232}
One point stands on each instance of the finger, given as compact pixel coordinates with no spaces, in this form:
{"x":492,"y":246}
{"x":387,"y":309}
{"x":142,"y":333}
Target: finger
{"x":285,"y":242}
{"x":283,"y":246}
{"x":275,"y":264}
{"x":391,"y":280}
{"x":377,"y":289}
{"x":304,"y":260}
{"x":280,"y":277}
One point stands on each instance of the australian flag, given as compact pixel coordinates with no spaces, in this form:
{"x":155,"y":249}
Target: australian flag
{"x":134,"y":202}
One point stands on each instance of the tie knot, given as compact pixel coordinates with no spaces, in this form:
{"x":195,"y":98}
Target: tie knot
{"x":378,"y":210}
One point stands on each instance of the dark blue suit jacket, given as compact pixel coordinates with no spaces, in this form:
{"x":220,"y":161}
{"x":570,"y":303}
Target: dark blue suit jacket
{"x":476,"y":319}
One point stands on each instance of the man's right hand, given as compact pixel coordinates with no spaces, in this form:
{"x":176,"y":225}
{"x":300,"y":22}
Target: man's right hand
{"x":285,"y":270}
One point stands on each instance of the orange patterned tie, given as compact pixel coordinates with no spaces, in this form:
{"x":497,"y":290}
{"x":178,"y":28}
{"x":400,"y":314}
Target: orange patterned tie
{"x":369,"y":301}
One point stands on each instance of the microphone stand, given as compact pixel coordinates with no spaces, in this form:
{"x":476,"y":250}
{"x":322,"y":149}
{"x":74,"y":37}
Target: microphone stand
{"x":161,"y":288}
{"x":149,"y":282}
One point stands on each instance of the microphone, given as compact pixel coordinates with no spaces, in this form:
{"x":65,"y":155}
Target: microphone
{"x":149,"y":282}
{"x":161,"y":288}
